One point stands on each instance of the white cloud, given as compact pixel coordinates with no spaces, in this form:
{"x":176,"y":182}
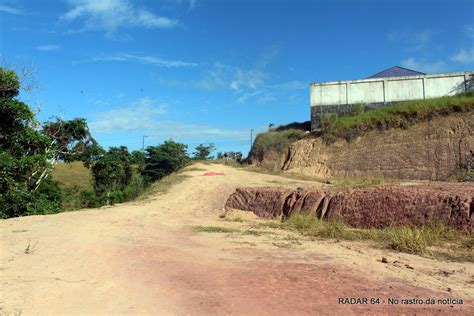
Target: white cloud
{"x":244,"y":97}
{"x":11,"y":10}
{"x":247,"y":79}
{"x":145,"y":115}
{"x":110,"y":15}
{"x":464,"y":56}
{"x":192,"y":4}
{"x":150,"y":60}
{"x":423,"y":66}
{"x":139,"y":115}
{"x":173,"y":129}
{"x":48,"y":48}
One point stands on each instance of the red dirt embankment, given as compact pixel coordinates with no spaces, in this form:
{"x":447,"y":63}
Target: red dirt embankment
{"x":449,"y":203}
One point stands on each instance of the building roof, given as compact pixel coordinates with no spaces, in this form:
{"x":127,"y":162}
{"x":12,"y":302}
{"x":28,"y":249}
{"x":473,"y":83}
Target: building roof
{"x":396,"y":72}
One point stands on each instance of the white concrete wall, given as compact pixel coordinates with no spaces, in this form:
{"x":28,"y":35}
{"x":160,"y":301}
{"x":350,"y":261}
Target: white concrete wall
{"x":392,"y":89}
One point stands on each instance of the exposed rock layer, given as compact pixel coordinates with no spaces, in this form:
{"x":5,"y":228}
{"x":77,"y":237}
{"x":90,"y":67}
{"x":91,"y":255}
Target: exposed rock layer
{"x":434,"y":150}
{"x":414,"y":205}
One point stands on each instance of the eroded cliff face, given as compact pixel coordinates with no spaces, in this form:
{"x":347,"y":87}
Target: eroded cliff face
{"x":377,"y":207}
{"x":434,"y":150}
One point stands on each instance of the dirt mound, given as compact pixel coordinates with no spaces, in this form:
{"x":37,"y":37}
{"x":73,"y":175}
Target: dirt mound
{"x":448,"y":203}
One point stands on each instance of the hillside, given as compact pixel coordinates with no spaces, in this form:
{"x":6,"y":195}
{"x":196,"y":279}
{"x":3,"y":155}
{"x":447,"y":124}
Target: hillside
{"x":424,"y":143}
{"x":173,"y":254}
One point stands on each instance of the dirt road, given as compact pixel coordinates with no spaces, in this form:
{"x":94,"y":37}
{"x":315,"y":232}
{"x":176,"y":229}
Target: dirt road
{"x":144,"y":257}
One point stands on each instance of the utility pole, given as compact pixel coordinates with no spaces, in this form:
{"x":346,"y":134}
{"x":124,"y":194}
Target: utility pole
{"x":251,"y":138}
{"x":143,"y":142}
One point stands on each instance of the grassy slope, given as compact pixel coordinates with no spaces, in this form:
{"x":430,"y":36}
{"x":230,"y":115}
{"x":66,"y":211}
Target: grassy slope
{"x":70,"y":175}
{"x":397,"y":116}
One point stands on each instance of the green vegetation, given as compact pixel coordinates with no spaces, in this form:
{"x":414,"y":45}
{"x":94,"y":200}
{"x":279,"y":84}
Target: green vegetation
{"x":419,"y":240}
{"x":234,"y":219}
{"x":24,"y":157}
{"x":396,"y":116}
{"x":214,"y":229}
{"x":164,"y":159}
{"x":277,"y":141}
{"x":203,"y":152}
{"x":340,"y":183}
{"x":29,"y":152}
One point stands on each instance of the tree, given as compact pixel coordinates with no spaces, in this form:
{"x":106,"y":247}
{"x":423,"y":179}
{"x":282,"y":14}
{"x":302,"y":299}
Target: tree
{"x":109,"y":173}
{"x":203,"y":151}
{"x":68,"y":140}
{"x":22,"y":154}
{"x":138,"y":157}
{"x":90,"y":155}
{"x":164,"y":159}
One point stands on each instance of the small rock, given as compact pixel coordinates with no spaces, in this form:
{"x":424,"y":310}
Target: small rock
{"x":384,"y":260}
{"x":449,"y":289}
{"x":409,"y":266}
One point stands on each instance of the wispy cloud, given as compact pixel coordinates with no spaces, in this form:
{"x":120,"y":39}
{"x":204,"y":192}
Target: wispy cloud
{"x":292,"y":85}
{"x":192,"y":4}
{"x":174,"y":129}
{"x":464,"y":56}
{"x":174,"y":83}
{"x":250,"y":84}
{"x":146,"y":115}
{"x":214,"y":78}
{"x":110,"y":15}
{"x":247,"y":79}
{"x":411,"y":41}
{"x":424,"y":66}
{"x":11,"y":10}
{"x":139,"y":115}
{"x":150,"y":60}
{"x":469,"y":30}
{"x":48,"y":48}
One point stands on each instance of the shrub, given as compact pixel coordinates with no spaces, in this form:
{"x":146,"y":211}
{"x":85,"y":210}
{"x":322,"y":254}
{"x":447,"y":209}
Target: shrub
{"x":277,"y":141}
{"x":164,"y":159}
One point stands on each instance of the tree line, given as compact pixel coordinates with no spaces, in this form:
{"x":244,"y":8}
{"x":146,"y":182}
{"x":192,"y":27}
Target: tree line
{"x":29,"y":150}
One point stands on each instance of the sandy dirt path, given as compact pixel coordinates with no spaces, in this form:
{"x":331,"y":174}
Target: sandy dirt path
{"x":144,"y":257}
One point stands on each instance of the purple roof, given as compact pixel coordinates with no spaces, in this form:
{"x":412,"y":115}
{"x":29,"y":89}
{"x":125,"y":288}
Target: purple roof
{"x":396,"y":72}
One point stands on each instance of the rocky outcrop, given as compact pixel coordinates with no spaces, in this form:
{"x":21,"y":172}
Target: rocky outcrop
{"x":434,"y":150}
{"x":414,"y":205}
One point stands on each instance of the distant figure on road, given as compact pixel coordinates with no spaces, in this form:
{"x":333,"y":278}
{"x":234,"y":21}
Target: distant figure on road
{"x":238,"y":157}
{"x":226,"y":156}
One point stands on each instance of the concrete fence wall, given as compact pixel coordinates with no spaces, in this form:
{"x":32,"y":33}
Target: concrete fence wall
{"x":341,"y":96}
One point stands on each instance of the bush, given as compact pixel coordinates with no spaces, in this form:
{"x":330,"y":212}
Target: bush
{"x":277,"y":141}
{"x":164,"y":159}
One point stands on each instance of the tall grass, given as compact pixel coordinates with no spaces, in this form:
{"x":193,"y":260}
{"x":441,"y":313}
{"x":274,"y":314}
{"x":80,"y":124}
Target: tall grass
{"x":401,"y":116}
{"x":277,"y":141}
{"x":416,"y":240}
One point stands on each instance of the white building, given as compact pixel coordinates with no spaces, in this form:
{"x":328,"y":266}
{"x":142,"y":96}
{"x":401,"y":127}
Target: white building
{"x":385,"y":88}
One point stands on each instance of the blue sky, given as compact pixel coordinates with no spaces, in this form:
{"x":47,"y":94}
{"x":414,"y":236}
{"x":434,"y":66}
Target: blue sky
{"x":204,"y":71}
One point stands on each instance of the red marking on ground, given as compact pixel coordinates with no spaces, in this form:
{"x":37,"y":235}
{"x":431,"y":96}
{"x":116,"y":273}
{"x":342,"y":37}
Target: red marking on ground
{"x":212,"y":173}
